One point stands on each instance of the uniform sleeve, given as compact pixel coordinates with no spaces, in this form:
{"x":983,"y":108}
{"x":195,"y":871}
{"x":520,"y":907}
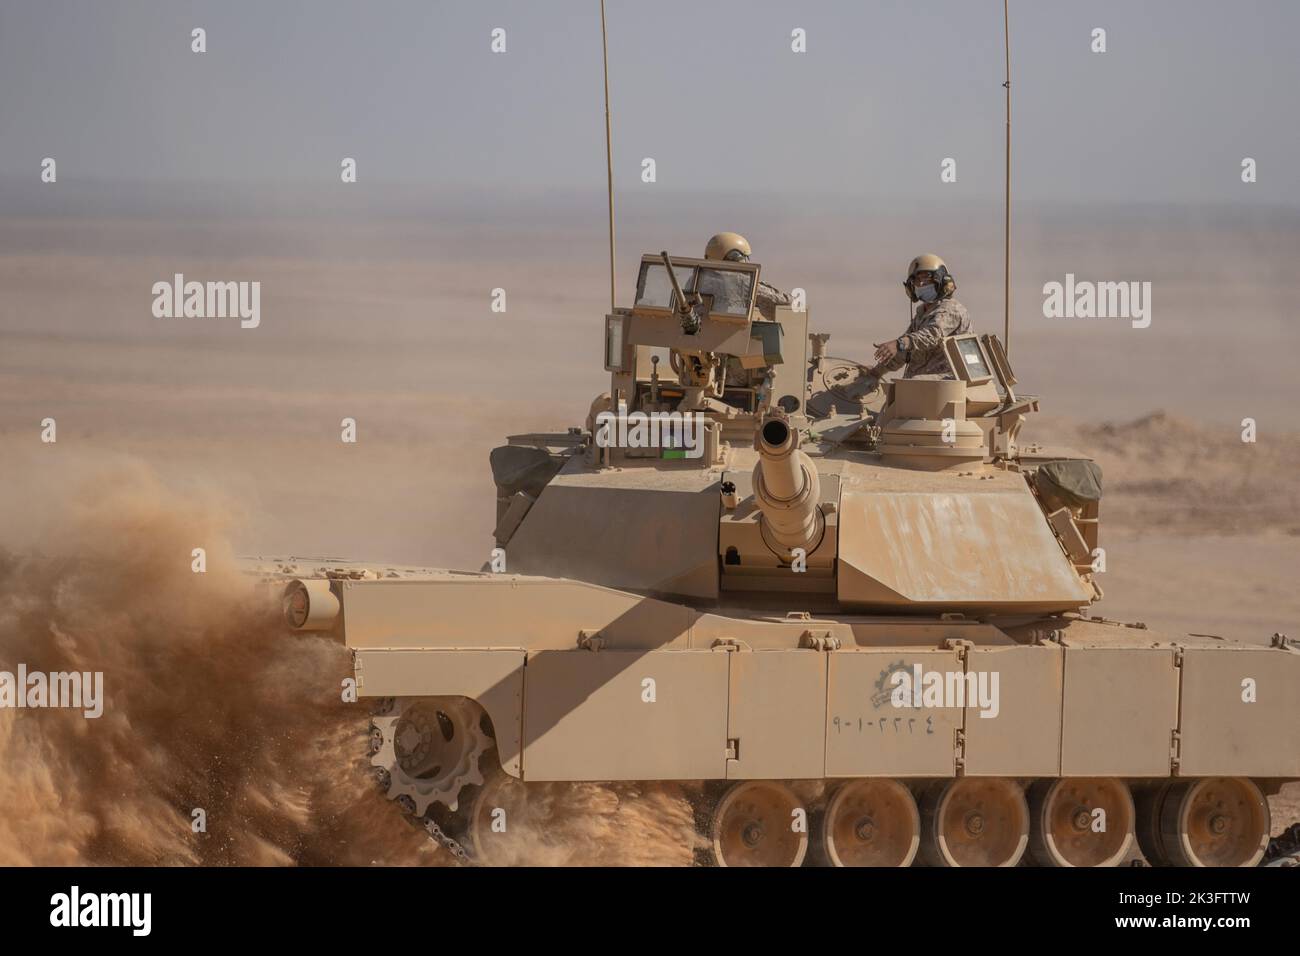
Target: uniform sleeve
{"x":934,"y":328}
{"x":768,"y":298}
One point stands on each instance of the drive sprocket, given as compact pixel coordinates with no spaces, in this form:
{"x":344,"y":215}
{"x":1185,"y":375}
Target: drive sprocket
{"x":427,"y":749}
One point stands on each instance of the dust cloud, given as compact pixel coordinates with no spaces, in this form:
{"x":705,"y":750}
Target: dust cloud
{"x":210,"y":704}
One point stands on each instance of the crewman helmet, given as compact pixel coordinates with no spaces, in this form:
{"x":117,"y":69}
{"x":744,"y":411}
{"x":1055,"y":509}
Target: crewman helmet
{"x":929,"y":268}
{"x":730,"y":246}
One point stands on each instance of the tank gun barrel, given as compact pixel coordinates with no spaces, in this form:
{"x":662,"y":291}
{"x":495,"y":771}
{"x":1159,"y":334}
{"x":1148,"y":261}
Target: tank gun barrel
{"x":786,"y":488}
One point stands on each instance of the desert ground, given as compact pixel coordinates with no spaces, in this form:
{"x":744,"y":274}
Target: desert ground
{"x":182,"y":433}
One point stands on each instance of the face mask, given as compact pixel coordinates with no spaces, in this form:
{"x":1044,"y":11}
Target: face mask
{"x":927,"y":292}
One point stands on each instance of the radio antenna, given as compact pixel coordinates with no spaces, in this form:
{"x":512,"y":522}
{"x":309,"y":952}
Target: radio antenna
{"x":1006,"y":251}
{"x":609,"y":156}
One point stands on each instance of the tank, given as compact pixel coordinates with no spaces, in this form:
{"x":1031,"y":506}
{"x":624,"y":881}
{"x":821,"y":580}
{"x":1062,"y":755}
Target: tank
{"x":759,"y":570}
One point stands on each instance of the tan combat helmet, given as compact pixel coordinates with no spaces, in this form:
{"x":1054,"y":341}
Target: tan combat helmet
{"x":727,"y":245}
{"x":930,"y":263}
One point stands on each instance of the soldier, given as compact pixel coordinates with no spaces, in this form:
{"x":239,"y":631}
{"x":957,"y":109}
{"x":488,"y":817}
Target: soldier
{"x":733,"y":247}
{"x":920,"y":348}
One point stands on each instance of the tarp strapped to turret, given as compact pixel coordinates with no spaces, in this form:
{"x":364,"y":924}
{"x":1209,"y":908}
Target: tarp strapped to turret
{"x":1076,"y":483}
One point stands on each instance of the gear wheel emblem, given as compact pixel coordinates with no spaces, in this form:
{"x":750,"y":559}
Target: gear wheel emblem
{"x":883,"y":686}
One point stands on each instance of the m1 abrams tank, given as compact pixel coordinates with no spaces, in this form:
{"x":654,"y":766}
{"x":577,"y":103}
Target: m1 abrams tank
{"x":756,"y":567}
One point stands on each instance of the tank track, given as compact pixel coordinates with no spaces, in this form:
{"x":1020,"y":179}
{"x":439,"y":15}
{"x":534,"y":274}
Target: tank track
{"x":1284,"y":849}
{"x":966,"y":821}
{"x":447,"y":842}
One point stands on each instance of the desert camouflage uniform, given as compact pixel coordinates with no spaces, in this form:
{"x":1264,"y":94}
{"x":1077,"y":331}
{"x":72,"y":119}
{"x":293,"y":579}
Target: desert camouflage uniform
{"x":924,"y":337}
{"x":765,"y":303}
{"x":767,"y":299}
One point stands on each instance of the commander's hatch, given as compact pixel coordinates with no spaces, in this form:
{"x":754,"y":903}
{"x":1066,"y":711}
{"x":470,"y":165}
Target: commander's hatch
{"x":969,"y":360}
{"x":981,"y":362}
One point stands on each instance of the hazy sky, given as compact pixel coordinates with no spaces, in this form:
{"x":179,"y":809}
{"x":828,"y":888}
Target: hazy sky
{"x":710,"y":90}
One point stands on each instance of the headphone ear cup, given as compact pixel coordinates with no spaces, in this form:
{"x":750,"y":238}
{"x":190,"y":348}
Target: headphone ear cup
{"x":949,"y":286}
{"x":907,"y":284}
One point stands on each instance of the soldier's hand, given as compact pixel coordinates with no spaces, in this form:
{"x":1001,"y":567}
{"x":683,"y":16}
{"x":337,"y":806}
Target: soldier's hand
{"x":885,"y":351}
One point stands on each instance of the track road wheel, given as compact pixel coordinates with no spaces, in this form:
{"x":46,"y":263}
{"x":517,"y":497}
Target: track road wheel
{"x":872,"y":823}
{"x":1067,"y":828}
{"x":753,"y":825}
{"x":1217,"y":821}
{"x":499,"y":819}
{"x":974,"y":821}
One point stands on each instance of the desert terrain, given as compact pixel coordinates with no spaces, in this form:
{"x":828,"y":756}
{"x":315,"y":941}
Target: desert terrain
{"x":182,"y":433}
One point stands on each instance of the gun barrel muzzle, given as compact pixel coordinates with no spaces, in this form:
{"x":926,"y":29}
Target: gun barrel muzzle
{"x":786,"y":489}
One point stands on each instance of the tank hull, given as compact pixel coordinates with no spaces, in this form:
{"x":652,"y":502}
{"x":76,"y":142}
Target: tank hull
{"x":590,"y":683}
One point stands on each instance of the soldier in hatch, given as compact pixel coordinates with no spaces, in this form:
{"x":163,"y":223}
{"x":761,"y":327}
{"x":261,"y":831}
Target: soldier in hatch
{"x":733,"y":247}
{"x":939,"y":315}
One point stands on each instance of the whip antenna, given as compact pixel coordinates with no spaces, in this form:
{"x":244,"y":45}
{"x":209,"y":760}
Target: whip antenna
{"x":609,"y":156}
{"x":1006,"y":251}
